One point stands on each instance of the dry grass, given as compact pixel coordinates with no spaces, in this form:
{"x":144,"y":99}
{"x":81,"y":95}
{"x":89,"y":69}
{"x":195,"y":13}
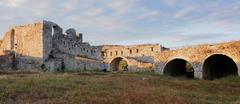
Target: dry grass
{"x":115,"y":88}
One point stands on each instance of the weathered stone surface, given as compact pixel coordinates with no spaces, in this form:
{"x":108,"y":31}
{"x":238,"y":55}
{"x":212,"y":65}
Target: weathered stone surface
{"x":198,"y":54}
{"x":71,"y":33}
{"x":44,"y":45}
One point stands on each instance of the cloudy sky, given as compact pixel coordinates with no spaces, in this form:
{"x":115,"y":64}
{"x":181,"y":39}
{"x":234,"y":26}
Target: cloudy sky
{"x":172,"y":23}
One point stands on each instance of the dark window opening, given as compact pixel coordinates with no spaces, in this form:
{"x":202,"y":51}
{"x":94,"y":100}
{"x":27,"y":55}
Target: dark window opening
{"x":110,"y":53}
{"x":91,"y":51}
{"x":130,"y":51}
{"x":103,"y":54}
{"x":152,"y":49}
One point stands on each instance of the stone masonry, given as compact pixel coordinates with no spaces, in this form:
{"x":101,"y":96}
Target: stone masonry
{"x":45,"y":46}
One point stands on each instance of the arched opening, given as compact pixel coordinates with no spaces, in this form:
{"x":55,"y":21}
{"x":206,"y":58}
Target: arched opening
{"x":119,"y":64}
{"x":179,"y":68}
{"x":52,"y":31}
{"x":218,"y":66}
{"x":56,"y":30}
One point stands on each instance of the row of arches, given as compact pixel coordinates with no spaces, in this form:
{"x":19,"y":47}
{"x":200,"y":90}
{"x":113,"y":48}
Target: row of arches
{"x":215,"y":66}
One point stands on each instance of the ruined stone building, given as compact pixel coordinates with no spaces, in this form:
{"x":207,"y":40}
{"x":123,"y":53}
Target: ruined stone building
{"x":44,"y":46}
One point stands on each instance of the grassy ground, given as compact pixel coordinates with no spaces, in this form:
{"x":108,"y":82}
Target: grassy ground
{"x":114,"y":88}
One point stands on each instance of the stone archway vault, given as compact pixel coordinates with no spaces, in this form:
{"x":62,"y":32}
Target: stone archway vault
{"x":114,"y":63}
{"x":179,"y":68}
{"x":218,"y":66}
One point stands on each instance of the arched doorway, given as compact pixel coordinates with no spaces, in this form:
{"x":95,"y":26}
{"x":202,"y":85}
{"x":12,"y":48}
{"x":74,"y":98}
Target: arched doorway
{"x":218,"y":66}
{"x":119,"y":64}
{"x":179,"y":68}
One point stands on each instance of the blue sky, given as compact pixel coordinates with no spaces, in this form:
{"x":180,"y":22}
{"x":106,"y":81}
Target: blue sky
{"x":172,"y":23}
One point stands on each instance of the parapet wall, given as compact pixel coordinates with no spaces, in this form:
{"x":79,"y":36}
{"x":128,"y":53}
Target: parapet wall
{"x":111,"y":51}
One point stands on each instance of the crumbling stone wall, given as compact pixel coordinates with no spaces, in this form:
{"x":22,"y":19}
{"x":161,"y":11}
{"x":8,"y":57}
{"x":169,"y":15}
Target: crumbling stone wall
{"x":24,"y":43}
{"x":24,"y":40}
{"x":44,"y":45}
{"x":66,"y":46}
{"x":139,"y":57}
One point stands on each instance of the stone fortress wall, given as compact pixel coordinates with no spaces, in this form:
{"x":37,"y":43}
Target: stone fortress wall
{"x":76,"y":54}
{"x":44,"y":46}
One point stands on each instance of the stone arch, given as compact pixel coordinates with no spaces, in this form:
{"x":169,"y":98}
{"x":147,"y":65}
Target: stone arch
{"x":218,"y":66}
{"x":179,"y":67}
{"x":114,"y":63}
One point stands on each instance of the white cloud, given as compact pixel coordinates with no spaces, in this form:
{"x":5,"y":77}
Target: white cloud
{"x":185,"y":11}
{"x":6,"y":17}
{"x":100,"y":23}
{"x":147,"y":14}
{"x":122,"y":6}
{"x":42,"y":9}
{"x":117,"y":19}
{"x":13,"y":3}
{"x":68,"y":6}
{"x":92,"y":12}
{"x":197,"y":38}
{"x":27,"y":7}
